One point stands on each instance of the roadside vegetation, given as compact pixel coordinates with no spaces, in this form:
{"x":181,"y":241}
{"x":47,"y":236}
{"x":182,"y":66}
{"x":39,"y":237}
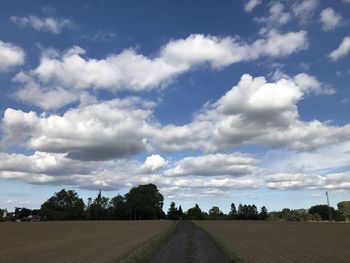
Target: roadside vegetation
{"x":145,"y":202}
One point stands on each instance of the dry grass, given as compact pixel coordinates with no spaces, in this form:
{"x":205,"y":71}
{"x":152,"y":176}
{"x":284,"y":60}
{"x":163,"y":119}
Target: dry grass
{"x":77,"y":241}
{"x":258,"y":241}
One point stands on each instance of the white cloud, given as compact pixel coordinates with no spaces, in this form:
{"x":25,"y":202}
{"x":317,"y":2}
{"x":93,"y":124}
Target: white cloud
{"x":236,"y":164}
{"x":330,"y":19}
{"x":252,"y":112}
{"x":309,"y":84}
{"x":342,"y":51}
{"x":71,"y":73}
{"x":333,"y":181}
{"x":50,"y":24}
{"x":324,"y":160}
{"x":153,"y":163}
{"x":277,"y":17}
{"x":10,"y":56}
{"x":55,"y":169}
{"x":249,"y":5}
{"x":255,"y":112}
{"x":304,"y":8}
{"x":43,"y":163}
{"x":111,"y":129}
{"x":280,"y":45}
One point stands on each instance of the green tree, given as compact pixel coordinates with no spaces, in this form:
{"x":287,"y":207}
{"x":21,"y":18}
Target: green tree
{"x":145,"y":202}
{"x":98,"y":209}
{"x":344,"y":210}
{"x":64,"y":205}
{"x":195,"y":213}
{"x":323,"y":211}
{"x":173,"y":212}
{"x":118,"y":208}
{"x":233,"y":212}
{"x":21,"y":213}
{"x":181,"y":213}
{"x":263,"y":215}
{"x":215,"y":213}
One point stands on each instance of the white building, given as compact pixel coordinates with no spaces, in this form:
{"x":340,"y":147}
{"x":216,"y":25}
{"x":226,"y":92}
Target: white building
{"x":4,"y":213}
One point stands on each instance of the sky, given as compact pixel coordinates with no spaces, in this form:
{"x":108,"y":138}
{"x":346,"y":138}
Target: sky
{"x":243,"y":101}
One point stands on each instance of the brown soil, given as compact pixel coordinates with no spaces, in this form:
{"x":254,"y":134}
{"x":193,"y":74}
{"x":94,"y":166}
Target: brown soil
{"x":78,"y":241}
{"x":267,"y":241}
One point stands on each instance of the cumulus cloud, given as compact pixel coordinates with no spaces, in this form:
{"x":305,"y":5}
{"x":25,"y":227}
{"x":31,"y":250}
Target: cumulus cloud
{"x":255,"y":112}
{"x":43,"y":163}
{"x":153,"y":163}
{"x":56,"y":169}
{"x":249,"y":5}
{"x":49,"y":24}
{"x":310,"y":84}
{"x":10,"y":56}
{"x":71,"y":72}
{"x":342,"y":51}
{"x":235,"y":165}
{"x":330,"y":19}
{"x":101,"y":131}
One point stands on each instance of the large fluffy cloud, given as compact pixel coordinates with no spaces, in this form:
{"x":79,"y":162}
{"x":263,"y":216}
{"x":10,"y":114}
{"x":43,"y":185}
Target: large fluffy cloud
{"x":72,"y":72}
{"x":10,"y":56}
{"x":101,"y":131}
{"x":50,"y":24}
{"x":256,"y":112}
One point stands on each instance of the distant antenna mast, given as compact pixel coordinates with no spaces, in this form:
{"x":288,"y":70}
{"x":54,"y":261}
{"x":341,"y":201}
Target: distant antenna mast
{"x":329,"y":207}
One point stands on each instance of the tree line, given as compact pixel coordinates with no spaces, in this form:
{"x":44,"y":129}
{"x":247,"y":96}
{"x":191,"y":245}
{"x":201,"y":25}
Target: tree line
{"x":145,"y":202}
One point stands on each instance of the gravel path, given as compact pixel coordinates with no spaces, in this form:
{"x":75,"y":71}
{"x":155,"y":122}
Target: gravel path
{"x":189,"y":244}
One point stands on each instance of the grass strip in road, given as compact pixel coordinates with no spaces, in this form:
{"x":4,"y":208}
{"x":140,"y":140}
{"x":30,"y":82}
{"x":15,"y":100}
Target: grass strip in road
{"x":231,"y":257}
{"x":147,"y":251}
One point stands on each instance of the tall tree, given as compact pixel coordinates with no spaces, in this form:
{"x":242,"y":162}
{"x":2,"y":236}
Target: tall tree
{"x":263,"y":215}
{"x":63,"y":205}
{"x":145,"y":202}
{"x":173,"y":213}
{"x":233,"y":212}
{"x":118,"y":208}
{"x":98,"y":209}
{"x":181,"y":213}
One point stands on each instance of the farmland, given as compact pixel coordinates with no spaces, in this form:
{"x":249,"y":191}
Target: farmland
{"x":271,"y":241}
{"x":78,"y":241}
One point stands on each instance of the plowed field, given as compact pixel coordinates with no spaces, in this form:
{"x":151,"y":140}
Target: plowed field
{"x":267,"y":241}
{"x":78,"y":241}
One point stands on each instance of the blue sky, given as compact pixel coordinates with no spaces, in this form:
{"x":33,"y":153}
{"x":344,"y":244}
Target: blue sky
{"x":237,"y":101}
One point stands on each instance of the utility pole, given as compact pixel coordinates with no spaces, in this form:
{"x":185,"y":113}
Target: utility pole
{"x":329,"y":208}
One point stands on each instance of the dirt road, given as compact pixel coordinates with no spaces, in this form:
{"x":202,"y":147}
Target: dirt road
{"x":189,"y":244}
